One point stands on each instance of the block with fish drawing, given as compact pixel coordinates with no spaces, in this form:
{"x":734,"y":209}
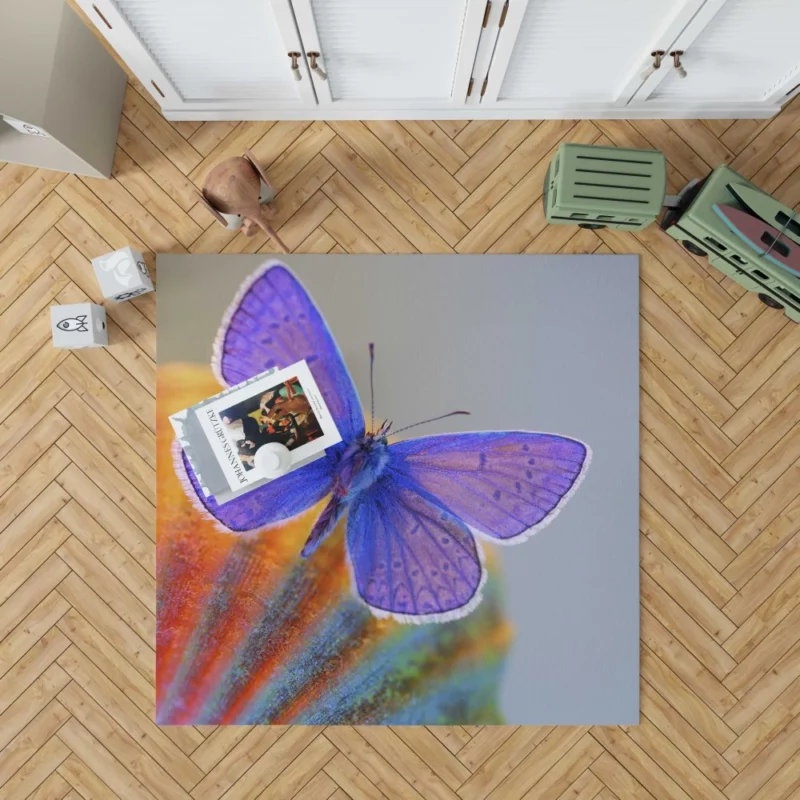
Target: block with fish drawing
{"x":78,"y":325}
{"x":122,"y":274}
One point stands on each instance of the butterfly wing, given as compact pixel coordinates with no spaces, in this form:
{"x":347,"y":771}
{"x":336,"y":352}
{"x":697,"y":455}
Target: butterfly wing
{"x":271,"y":503}
{"x":273,"y":322}
{"x":410,"y":558}
{"x":505,"y":485}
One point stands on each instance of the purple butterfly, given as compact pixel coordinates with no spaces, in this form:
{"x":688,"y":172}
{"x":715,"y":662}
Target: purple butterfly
{"x":414,"y":508}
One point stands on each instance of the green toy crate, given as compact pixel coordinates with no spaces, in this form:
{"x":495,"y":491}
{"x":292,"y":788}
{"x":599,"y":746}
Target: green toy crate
{"x":695,"y":224}
{"x":598,"y":187}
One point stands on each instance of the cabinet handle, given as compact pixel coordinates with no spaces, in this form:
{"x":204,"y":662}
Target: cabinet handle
{"x":315,"y":68}
{"x":676,"y":60}
{"x":295,"y":66}
{"x":102,"y":17}
{"x":657,"y":56}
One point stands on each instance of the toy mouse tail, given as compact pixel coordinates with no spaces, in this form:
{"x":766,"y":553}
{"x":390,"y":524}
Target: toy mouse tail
{"x":270,"y":231}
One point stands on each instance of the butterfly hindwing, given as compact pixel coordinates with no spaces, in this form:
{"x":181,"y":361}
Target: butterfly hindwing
{"x":269,"y":504}
{"x":411,"y":559}
{"x":273,"y":322}
{"x":505,"y":485}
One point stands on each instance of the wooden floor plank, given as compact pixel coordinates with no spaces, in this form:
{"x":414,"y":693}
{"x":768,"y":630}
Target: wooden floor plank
{"x":33,"y":664}
{"x":429,"y":171}
{"x":766,"y":580}
{"x":165,"y":174}
{"x":111,"y":482}
{"x":691,"y":634}
{"x":108,"y":587}
{"x":84,"y":782}
{"x":423,"y":220}
{"x":39,"y":697}
{"x":125,"y":748}
{"x":110,"y":445}
{"x":372,"y":764}
{"x":509,"y":172}
{"x":159,"y":131}
{"x":37,"y":769}
{"x":32,"y":738}
{"x":679,"y":731}
{"x":147,"y":192}
{"x":494,"y":152}
{"x":104,"y":656}
{"x":105,"y":769}
{"x":31,"y":629}
{"x":437,"y":143}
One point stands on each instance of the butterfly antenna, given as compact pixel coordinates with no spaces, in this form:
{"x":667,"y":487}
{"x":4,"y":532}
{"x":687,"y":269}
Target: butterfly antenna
{"x":372,"y":385}
{"x":433,"y":419}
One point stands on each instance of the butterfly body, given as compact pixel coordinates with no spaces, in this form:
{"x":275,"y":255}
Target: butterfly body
{"x":363,"y":462}
{"x":415,"y":508}
{"x":359,"y":466}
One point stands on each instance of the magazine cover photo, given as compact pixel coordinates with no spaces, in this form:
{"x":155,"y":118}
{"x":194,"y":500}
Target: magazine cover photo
{"x":282,"y":413}
{"x":283,"y":407}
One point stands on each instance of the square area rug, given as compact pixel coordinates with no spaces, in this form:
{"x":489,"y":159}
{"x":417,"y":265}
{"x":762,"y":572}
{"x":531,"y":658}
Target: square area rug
{"x":374,"y":586}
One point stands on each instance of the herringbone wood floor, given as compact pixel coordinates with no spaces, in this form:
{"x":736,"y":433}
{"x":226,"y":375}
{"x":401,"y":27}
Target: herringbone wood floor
{"x":720,"y":404}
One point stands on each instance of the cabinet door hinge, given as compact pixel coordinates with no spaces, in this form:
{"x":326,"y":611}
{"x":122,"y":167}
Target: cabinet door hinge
{"x":503,"y":15}
{"x":469,"y":88}
{"x":486,"y":13}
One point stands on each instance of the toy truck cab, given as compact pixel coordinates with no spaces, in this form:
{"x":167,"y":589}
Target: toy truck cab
{"x":696,"y":225}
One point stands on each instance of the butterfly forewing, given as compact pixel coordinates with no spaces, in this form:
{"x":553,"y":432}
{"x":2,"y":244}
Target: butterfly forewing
{"x":274,"y":323}
{"x":503,"y":484}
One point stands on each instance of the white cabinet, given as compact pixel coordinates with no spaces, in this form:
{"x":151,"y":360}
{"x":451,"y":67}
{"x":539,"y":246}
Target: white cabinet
{"x":204,"y":55}
{"x":429,"y":59}
{"x":733,"y":51}
{"x":392,"y":54}
{"x":568,"y":53}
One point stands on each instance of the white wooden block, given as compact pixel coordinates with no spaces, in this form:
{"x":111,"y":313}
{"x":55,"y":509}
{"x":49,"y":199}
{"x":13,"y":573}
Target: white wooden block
{"x":78,"y":325}
{"x":122,"y":274}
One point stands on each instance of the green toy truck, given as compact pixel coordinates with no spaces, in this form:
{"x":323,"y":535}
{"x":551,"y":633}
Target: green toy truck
{"x":598,"y":187}
{"x":701,"y":231}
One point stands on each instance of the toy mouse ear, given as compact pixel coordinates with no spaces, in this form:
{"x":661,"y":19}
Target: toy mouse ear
{"x":217,"y":216}
{"x":261,"y":174}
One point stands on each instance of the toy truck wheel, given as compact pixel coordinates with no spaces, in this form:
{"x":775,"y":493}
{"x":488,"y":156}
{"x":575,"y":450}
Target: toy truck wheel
{"x":769,"y":301}
{"x":693,"y":248}
{"x":592,"y":226}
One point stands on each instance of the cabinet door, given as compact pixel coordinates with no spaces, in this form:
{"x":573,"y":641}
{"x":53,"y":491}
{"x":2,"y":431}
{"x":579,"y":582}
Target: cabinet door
{"x":735,"y":51}
{"x":401,"y":54}
{"x":565,"y":54}
{"x":207,"y":55}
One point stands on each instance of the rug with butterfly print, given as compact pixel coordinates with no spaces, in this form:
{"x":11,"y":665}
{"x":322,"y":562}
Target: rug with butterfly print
{"x":467,"y":554}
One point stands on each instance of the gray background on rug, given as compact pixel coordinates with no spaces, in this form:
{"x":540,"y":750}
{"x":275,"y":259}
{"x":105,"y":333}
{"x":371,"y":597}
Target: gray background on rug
{"x":547,"y":343}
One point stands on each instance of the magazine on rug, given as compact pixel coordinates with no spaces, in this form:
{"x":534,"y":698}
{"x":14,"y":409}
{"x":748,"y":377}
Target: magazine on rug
{"x":221,"y":435}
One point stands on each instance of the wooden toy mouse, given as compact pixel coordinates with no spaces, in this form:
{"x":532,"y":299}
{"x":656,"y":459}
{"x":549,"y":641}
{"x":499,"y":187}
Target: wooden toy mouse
{"x":234,"y":188}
